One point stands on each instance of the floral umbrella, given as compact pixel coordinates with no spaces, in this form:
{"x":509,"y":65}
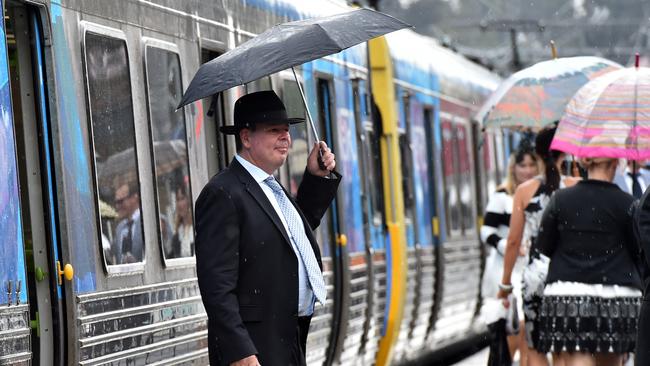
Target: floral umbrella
{"x":537,"y":96}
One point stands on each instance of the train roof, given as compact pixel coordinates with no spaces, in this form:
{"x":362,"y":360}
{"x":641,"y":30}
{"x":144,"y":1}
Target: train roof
{"x":300,"y":9}
{"x":417,"y":54}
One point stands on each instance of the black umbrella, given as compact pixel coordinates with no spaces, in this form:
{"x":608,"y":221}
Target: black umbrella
{"x":285,"y":46}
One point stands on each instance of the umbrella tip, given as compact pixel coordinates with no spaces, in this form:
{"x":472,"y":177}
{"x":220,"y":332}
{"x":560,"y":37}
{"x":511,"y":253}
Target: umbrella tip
{"x":636,"y":60}
{"x":553,"y":49}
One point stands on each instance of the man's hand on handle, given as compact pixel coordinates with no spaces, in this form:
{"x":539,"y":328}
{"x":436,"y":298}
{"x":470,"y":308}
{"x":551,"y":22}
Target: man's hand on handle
{"x":328,"y":161}
{"x":248,"y":361}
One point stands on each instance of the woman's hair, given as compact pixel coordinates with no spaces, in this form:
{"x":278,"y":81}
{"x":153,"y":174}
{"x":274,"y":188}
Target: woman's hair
{"x":510,"y":184}
{"x":549,"y":157}
{"x":589,"y":163}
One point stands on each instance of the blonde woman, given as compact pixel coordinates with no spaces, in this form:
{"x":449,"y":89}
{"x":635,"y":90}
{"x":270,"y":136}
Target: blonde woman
{"x":593,"y":289}
{"x":529,"y":202}
{"x":522,"y":166}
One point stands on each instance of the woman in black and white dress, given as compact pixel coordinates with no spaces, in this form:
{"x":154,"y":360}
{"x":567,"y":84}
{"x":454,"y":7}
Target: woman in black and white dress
{"x":529,"y":202}
{"x":522,"y":166}
{"x":592,"y":295}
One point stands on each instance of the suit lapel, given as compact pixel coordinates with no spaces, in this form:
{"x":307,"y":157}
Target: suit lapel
{"x":253,"y":188}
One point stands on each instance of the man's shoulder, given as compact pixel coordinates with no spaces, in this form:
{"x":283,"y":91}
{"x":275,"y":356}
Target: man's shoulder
{"x":223,"y":180}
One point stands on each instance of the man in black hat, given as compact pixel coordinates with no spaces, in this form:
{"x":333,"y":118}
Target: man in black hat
{"x":258,"y":262}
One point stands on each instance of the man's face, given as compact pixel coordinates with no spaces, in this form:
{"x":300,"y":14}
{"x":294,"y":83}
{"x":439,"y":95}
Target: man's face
{"x":125,"y":202}
{"x":267,"y":146}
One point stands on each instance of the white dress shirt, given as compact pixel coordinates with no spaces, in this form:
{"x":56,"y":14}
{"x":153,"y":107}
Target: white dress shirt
{"x":624,"y":181}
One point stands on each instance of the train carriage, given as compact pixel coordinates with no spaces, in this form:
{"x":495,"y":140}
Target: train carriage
{"x":99,"y":161}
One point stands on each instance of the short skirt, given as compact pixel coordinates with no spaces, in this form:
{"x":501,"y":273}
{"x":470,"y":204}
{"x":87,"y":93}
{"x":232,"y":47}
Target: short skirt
{"x":588,"y":323}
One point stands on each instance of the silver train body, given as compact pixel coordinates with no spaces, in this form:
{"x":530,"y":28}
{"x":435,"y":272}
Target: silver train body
{"x":89,"y":129}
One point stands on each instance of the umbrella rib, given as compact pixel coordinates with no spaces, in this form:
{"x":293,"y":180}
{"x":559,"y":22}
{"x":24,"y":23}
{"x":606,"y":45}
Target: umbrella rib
{"x":634,"y":121}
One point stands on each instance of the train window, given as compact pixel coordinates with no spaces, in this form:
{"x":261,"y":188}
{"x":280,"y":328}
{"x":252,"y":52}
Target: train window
{"x":407,"y":176}
{"x":170,"y":162}
{"x":450,"y":168}
{"x":372,"y":152}
{"x":259,"y":85}
{"x":299,"y":135}
{"x":466,"y":178}
{"x":113,"y":139}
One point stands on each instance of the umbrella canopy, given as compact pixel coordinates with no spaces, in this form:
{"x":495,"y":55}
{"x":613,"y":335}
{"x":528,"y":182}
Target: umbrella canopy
{"x":537,"y":96}
{"x":287,"y":45}
{"x":609,"y":117}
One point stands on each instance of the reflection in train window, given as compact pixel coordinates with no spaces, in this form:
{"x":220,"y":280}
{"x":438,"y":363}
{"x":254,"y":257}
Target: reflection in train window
{"x":300,"y":143}
{"x":260,"y":84}
{"x":371,"y":150}
{"x":113,"y":137}
{"x":168,"y":132}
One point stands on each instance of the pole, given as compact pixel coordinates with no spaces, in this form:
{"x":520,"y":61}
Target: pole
{"x":311,"y":122}
{"x":304,"y":101}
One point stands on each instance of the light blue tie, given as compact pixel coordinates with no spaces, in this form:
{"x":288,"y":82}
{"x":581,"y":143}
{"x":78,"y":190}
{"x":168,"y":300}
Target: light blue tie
{"x":297,"y":231}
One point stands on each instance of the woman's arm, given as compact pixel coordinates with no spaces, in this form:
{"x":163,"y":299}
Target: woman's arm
{"x":517,"y":220}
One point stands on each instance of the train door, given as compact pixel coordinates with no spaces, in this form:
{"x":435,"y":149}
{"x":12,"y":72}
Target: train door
{"x":32,"y":295}
{"x":321,"y":342}
{"x":374,"y":228}
{"x":410,"y":227}
{"x":421,"y":142}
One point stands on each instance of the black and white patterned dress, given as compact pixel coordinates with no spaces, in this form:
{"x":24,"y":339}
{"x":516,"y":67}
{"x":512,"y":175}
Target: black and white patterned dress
{"x":534,"y":273}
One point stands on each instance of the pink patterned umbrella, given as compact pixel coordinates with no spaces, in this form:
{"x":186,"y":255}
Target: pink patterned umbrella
{"x":608,"y":117}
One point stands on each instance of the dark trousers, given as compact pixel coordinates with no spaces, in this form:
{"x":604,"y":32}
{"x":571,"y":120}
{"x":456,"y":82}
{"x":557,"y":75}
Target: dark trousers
{"x":300,"y":345}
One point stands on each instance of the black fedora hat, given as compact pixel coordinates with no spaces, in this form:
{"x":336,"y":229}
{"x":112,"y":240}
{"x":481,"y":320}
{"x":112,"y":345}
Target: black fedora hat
{"x":259,"y":107}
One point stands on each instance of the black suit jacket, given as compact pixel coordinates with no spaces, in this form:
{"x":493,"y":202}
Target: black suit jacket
{"x":246,"y":266}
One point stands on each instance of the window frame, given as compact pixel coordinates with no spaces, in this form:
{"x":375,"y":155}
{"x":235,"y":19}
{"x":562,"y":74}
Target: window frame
{"x":169,"y":263}
{"x":101,"y":30}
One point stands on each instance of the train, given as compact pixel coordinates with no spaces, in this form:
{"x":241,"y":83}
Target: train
{"x":91,"y":138}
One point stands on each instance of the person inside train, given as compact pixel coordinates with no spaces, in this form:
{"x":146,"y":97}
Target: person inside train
{"x":128,"y":233}
{"x":522,"y":166}
{"x":529,"y":201}
{"x":258,"y":262}
{"x":634,"y":179}
{"x":587,"y":233}
{"x":182,"y":242}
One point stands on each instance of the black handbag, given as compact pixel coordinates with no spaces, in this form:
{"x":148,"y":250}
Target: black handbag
{"x":499,"y":352}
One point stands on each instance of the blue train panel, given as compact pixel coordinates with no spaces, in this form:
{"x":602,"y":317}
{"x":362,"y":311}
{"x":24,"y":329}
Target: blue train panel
{"x":12,"y":258}
{"x":78,"y":188}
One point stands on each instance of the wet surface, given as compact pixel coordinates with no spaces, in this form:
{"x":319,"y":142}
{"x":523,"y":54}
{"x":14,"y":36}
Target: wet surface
{"x":478,"y":359}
